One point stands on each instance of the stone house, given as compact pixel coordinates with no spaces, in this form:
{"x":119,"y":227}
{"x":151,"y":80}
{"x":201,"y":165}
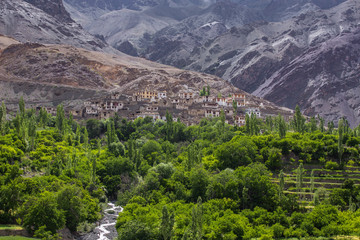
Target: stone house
{"x":162,"y":95}
{"x":186,"y":95}
{"x":115,"y":95}
{"x":147,"y":94}
{"x":239,"y":120}
{"x":212,"y":113}
{"x":253,"y":110}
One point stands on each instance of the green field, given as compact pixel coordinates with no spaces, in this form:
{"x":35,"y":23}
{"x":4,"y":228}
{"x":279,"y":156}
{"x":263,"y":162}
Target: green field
{"x":16,"y":238}
{"x":10,"y":227}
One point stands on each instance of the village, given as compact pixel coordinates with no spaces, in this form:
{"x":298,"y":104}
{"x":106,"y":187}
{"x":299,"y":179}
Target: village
{"x":187,"y":106}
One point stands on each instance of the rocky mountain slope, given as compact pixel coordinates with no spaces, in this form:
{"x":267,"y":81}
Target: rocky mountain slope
{"x":51,"y":74}
{"x":249,"y":55}
{"x":248,"y":43}
{"x":45,"y":21}
{"x":324,"y":79}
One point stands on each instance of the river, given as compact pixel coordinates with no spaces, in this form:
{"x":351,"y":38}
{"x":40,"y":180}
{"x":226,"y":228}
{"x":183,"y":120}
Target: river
{"x":106,"y":230}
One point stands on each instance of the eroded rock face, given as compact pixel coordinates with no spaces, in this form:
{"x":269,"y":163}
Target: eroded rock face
{"x":325,"y":80}
{"x":47,"y":22}
{"x":54,"y":8}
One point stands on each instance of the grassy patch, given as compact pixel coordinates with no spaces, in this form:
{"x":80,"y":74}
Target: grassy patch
{"x":16,"y":238}
{"x":10,"y":227}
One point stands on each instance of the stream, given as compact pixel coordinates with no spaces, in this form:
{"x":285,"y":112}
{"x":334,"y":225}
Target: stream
{"x":106,"y":230}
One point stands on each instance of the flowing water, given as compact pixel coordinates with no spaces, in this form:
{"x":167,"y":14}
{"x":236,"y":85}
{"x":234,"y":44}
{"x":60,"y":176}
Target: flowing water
{"x":106,"y":230}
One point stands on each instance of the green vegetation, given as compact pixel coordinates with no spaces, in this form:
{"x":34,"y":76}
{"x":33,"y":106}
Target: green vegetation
{"x":265,"y":180}
{"x":10,"y":227}
{"x":16,"y":238}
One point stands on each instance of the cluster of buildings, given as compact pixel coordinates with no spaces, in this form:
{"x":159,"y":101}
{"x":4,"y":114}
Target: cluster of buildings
{"x":188,"y":106}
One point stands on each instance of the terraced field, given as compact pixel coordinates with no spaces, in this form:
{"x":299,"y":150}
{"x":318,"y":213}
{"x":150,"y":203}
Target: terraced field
{"x":323,"y":178}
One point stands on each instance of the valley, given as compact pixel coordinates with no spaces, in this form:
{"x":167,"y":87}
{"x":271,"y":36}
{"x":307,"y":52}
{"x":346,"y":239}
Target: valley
{"x":179,"y":119}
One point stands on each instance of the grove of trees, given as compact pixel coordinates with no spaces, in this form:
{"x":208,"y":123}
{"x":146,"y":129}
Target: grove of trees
{"x":206,"y":181}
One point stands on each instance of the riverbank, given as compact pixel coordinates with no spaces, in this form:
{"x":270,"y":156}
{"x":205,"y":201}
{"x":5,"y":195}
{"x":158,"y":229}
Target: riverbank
{"x":106,"y":229}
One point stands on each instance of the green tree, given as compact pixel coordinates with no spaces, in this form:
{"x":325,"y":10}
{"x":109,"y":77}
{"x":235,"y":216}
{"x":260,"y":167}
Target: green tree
{"x":42,"y":211}
{"x":322,"y":123}
{"x":299,"y":120}
{"x":247,"y":124}
{"x":22,"y":107}
{"x":167,"y":223}
{"x":330,"y":127}
{"x":254,"y":128}
{"x":312,"y":184}
{"x":169,"y":126}
{"x":2,"y":118}
{"x":43,"y":117}
{"x":299,"y":177}
{"x":60,"y":119}
{"x":110,"y":133}
{"x":281,"y":183}
{"x":86,"y":138}
{"x":281,"y":126}
{"x":269,"y":123}
{"x":340,"y":140}
{"x":135,"y":230}
{"x":196,"y":225}
{"x":238,"y":152}
{"x":199,"y":181}
{"x":313,"y":124}
{"x":69,"y":201}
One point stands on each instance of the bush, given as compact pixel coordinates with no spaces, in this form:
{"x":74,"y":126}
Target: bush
{"x":117,"y":148}
{"x":85,"y":227}
{"x":331,"y":165}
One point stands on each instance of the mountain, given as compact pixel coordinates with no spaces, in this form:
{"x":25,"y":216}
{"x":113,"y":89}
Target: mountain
{"x":249,"y":55}
{"x":46,"y":22}
{"x":123,"y":23}
{"x":324,"y":79}
{"x":46,"y":75}
{"x":54,"y":8}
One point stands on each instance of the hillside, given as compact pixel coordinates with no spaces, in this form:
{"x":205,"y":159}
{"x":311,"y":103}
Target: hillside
{"x":327,"y":79}
{"x":51,"y":74}
{"x":243,"y":42}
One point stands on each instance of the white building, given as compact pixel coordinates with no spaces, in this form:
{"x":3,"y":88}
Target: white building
{"x":255,"y":111}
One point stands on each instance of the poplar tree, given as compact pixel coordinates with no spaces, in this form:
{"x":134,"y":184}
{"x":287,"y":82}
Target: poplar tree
{"x":169,"y":126}
{"x":247,"y":123}
{"x":321,"y":123}
{"x":340,"y":140}
{"x":299,"y":177}
{"x":269,"y":123}
{"x":313,"y":124}
{"x":254,"y":129}
{"x":60,"y":119}
{"x":22,"y":106}
{"x":330,"y":127}
{"x":312,"y":184}
{"x":282,"y":183}
{"x":167,"y":223}
{"x":3,"y":119}
{"x":299,"y":120}
{"x":43,"y":117}
{"x":196,"y":225}
{"x":86,"y":138}
{"x":281,"y":126}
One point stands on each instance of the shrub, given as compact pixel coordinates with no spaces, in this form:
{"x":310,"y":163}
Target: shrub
{"x":331,"y":165}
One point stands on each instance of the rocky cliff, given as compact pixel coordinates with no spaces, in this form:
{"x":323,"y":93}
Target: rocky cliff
{"x":45,"y":21}
{"x":325,"y":79}
{"x":54,"y":8}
